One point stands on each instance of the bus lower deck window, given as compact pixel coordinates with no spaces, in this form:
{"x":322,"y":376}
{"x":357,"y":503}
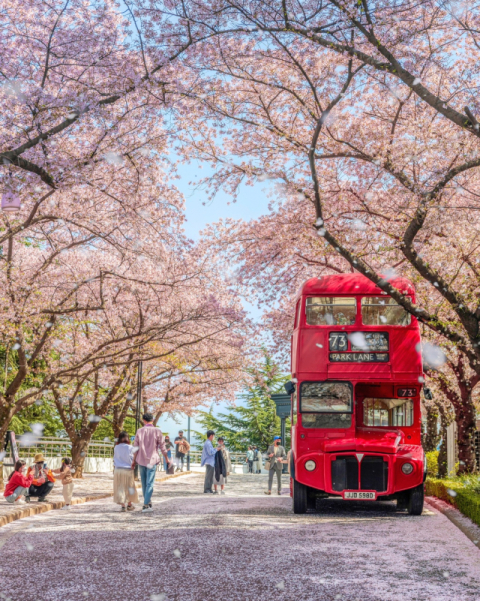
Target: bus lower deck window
{"x":387,"y":412}
{"x":383,"y":310}
{"x":329,"y":311}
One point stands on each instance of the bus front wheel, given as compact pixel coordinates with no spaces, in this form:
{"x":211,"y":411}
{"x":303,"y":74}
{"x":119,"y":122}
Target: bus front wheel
{"x":415,"y":500}
{"x":300,"y":497}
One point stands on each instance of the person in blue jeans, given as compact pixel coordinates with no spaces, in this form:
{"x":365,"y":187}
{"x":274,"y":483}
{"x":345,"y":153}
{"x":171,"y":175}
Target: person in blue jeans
{"x":148,"y":441}
{"x":208,"y":460}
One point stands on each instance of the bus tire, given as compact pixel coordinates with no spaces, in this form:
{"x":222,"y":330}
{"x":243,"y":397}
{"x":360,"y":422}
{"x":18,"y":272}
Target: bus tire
{"x":300,"y":497}
{"x":415,"y":500}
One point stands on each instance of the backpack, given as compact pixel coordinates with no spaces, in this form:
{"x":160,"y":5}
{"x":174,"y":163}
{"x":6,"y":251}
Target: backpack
{"x":255,"y":455}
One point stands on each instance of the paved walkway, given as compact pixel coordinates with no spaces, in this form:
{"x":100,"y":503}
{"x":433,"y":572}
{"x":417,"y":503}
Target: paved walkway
{"x":243,"y":546}
{"x":92,"y":486}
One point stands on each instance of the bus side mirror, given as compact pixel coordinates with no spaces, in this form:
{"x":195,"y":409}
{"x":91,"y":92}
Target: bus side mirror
{"x":428,"y":394}
{"x":289,"y":387}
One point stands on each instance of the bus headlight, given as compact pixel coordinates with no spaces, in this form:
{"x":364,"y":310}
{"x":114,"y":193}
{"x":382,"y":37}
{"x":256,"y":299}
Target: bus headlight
{"x":310,"y":465}
{"x":407,"y":468}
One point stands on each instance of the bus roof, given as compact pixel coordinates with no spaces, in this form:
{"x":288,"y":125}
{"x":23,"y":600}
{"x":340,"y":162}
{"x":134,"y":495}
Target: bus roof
{"x":351,"y":283}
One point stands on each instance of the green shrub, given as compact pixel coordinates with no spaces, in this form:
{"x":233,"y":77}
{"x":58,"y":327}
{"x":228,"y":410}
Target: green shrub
{"x":432,"y":464}
{"x":460,"y":492}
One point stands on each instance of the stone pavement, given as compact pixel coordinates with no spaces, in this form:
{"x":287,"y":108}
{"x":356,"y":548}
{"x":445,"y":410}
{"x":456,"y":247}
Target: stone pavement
{"x":243,"y":546}
{"x":91,"y":487}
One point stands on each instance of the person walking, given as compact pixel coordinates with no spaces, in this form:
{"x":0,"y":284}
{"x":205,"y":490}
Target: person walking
{"x":276,"y":456}
{"x":257,"y":461}
{"x":124,"y":489}
{"x":64,"y":474}
{"x":222,"y":479}
{"x":148,"y":441}
{"x":250,"y":460}
{"x":208,"y":460}
{"x":181,"y":449}
{"x":169,"y":447}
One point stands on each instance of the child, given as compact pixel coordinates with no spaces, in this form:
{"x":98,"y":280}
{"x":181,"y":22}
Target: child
{"x":18,"y":484}
{"x":124,"y":488}
{"x":65,"y":475}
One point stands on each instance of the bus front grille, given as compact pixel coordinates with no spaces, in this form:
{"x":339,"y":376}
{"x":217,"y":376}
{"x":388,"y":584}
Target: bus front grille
{"x":374,"y":474}
{"x":345,"y":473}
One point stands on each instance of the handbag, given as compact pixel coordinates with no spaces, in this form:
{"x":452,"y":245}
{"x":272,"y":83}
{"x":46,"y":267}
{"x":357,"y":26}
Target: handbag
{"x":268,"y":464}
{"x":170,"y":469}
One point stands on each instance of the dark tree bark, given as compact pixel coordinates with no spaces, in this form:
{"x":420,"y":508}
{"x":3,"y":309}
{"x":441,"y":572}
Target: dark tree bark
{"x":79,"y":452}
{"x":460,"y":394}
{"x":431,"y":436}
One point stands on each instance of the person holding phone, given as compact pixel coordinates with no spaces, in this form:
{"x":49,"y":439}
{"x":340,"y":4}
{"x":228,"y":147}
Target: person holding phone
{"x":277,"y":456}
{"x":43,"y":480}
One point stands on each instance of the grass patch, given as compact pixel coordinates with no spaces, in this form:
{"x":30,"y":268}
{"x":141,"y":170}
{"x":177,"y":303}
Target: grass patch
{"x":463,"y":492}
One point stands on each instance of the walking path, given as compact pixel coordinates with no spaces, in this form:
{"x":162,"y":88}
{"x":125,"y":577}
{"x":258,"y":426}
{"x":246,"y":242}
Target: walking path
{"x":243,"y":546}
{"x":91,"y":487}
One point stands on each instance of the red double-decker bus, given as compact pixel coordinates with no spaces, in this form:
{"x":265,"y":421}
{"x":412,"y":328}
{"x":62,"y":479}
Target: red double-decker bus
{"x":356,"y":382}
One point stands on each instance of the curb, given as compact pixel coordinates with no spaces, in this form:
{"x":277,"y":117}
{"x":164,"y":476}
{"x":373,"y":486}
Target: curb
{"x":36,"y":509}
{"x":171,"y":476}
{"x":26,"y":512}
{"x":462,"y":522}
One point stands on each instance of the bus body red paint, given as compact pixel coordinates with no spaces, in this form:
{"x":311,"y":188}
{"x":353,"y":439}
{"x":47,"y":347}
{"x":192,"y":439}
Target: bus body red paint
{"x":351,"y":340}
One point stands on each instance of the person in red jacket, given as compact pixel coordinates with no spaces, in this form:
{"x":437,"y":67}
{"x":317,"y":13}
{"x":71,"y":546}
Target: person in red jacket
{"x":18,"y":484}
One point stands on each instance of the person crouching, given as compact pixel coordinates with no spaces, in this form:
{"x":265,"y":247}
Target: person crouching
{"x":43,"y":480}
{"x":18,"y":484}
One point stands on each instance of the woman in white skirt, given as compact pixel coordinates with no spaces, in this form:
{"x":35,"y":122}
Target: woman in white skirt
{"x":124,"y":489}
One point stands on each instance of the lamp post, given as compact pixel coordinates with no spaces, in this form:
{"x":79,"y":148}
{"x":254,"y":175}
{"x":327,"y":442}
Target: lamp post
{"x":11,"y":202}
{"x":283,"y":406}
{"x":137,"y":411}
{"x":188,"y":438}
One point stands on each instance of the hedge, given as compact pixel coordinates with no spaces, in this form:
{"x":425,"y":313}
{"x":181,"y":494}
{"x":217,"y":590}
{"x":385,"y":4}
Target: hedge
{"x":466,"y":501}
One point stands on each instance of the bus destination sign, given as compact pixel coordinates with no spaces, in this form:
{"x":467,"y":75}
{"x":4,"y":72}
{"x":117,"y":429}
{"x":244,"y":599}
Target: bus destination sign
{"x":406,"y":392}
{"x":375,"y":341}
{"x":359,"y":357}
{"x":359,"y":341}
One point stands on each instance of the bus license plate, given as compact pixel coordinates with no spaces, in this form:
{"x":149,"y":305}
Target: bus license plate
{"x":360,"y":495}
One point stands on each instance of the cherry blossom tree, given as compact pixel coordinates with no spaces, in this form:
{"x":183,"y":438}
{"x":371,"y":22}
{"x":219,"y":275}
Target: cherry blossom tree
{"x":366,"y":129}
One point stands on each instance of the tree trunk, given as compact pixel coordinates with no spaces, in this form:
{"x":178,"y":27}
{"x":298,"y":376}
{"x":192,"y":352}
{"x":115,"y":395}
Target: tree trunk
{"x":442,"y":457}
{"x":79,"y":452}
{"x":431,"y":436}
{"x":466,"y":425}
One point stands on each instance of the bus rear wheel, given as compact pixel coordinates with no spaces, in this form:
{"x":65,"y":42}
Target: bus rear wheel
{"x":300,"y":497}
{"x":415,"y":500}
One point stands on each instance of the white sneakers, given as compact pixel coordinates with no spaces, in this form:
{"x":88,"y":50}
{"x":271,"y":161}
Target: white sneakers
{"x":147,"y":509}
{"x":222,"y":492}
{"x":19,"y":502}
{"x":67,"y":507}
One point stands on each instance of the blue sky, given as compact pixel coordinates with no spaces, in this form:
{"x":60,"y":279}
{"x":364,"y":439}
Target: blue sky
{"x":252,"y":203}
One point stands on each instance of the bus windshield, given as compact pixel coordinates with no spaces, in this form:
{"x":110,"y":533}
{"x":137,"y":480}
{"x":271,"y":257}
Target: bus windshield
{"x":330,"y":311}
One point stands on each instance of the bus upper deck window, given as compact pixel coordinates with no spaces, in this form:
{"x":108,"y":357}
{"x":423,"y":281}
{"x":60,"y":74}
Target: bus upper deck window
{"x":329,"y":311}
{"x":387,"y":412}
{"x":383,"y":311}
